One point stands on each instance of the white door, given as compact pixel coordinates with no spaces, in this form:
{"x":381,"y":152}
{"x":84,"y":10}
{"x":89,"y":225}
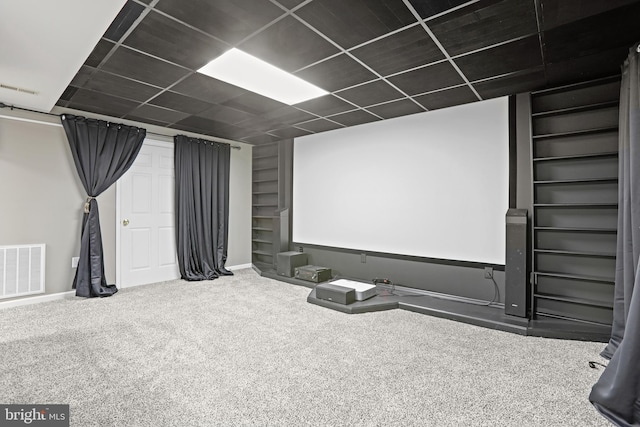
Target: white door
{"x":145,"y":229}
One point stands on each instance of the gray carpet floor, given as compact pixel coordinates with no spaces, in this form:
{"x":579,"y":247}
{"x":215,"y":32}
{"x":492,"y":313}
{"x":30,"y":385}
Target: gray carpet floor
{"x":246,"y":350}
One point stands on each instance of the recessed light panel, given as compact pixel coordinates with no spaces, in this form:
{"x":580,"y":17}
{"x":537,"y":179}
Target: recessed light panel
{"x":248,"y":72}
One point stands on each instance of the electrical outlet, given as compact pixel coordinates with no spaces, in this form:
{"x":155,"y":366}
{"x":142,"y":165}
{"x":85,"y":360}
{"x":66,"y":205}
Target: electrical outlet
{"x":363,"y":258}
{"x":488,"y":272}
{"x":74,"y":261}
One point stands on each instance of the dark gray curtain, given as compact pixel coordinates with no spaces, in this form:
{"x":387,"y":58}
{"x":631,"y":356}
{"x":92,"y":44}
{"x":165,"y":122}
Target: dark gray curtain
{"x":202,"y":207}
{"x":102,"y":153}
{"x":617,"y":393}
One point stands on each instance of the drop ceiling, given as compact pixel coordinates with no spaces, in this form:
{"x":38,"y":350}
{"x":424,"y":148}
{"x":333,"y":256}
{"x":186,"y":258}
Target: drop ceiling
{"x":379,"y":59}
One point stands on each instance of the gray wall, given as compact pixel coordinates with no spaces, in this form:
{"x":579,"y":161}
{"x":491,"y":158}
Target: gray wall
{"x":41,"y":197}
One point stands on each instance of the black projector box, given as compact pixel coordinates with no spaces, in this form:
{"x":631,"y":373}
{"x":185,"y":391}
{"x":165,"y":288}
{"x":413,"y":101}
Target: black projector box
{"x":333,"y":293}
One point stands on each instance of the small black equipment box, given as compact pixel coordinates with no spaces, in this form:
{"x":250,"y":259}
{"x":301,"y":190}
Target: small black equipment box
{"x":313,"y":273}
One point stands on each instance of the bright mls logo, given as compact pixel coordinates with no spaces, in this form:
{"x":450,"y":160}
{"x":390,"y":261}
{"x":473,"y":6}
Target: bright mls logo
{"x":34,"y":415}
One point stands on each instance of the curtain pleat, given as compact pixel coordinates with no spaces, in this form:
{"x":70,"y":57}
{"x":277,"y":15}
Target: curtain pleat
{"x":616,"y":394}
{"x":202,"y":207}
{"x":102,"y":153}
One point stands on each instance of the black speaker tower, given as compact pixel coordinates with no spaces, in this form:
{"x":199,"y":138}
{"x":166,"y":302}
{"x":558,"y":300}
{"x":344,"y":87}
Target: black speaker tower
{"x":516,"y":288}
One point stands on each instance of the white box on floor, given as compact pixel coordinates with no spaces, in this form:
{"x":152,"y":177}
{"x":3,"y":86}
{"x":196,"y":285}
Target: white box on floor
{"x":363,"y":290}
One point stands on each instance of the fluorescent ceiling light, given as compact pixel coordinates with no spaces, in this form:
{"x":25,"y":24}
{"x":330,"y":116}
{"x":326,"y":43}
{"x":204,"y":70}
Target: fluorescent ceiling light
{"x":248,"y":72}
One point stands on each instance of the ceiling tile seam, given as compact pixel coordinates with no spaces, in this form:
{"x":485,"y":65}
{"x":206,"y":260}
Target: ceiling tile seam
{"x":453,"y":9}
{"x":118,"y":43}
{"x":191,"y":27}
{"x":541,"y":41}
{"x":509,"y":74}
{"x":264,"y":27}
{"x":441,"y":47}
{"x":442,"y":89}
{"x":126,"y":34}
{"x":401,"y":98}
{"x":294,"y":8}
{"x":384,"y":36}
{"x":318,"y":117}
{"x":419,"y":67}
{"x":502,"y":43}
{"x":357,"y":46}
{"x":349,"y":54}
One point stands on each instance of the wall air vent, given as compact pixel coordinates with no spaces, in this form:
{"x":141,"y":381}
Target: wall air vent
{"x":22,"y":269}
{"x":18,"y":89}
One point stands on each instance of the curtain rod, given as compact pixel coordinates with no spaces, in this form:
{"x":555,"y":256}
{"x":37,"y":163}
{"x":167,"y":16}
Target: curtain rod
{"x":13,"y":107}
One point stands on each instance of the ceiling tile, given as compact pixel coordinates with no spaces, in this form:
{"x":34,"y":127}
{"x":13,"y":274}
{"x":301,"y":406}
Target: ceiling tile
{"x":520,"y":55}
{"x":396,"y":109}
{"x":588,"y":67}
{"x":325,"y":105}
{"x":319,"y":125}
{"x":230,"y":20}
{"x":126,"y":17}
{"x":336,"y":73}
{"x":137,"y":66}
{"x":261,"y":139}
{"x":353,"y":118}
{"x":290,"y":4}
{"x":259,"y":124}
{"x":517,"y":83}
{"x":289,"y":45}
{"x":99,"y":81}
{"x":158,"y":114}
{"x":101,"y":103}
{"x":352,"y":22}
{"x":428,"y":8}
{"x":426,"y":79}
{"x":67,"y":95}
{"x":253,"y":103}
{"x":447,"y":98}
{"x":483,"y":24}
{"x":207,"y":89}
{"x":406,"y":49}
{"x":288,"y":115}
{"x":163,"y":37}
{"x":207,"y":126}
{"x":289,"y":132}
{"x":224,"y":114}
{"x":99,"y":52}
{"x":178,"y":102}
{"x":370,"y":93}
{"x":559,"y":12}
{"x":609,"y":30}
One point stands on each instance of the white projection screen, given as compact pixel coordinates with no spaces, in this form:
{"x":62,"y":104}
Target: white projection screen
{"x":432,"y":184}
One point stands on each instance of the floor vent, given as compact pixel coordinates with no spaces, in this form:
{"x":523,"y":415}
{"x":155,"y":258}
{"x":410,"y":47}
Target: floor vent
{"x":21,"y":270}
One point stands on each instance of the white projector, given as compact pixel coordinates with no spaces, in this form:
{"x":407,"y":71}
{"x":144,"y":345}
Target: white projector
{"x":363,"y":290}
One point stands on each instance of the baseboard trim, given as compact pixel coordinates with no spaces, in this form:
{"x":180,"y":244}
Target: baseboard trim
{"x":239,"y":267}
{"x":36,"y":299}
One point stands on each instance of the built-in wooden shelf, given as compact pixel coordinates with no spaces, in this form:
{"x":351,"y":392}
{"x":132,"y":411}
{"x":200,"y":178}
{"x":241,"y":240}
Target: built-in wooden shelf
{"x":577,"y":157}
{"x":576,"y":133}
{"x":577,"y":181}
{"x":576,"y":253}
{"x":576,"y":109}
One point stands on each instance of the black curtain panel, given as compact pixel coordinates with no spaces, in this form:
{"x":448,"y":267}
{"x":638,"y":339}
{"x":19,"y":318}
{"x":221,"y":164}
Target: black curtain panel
{"x":102,"y":153}
{"x":202,"y":207}
{"x":617,"y":393}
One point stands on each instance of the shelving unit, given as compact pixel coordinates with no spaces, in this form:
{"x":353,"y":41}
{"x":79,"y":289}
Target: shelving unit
{"x":264,"y":204}
{"x":575,"y":191}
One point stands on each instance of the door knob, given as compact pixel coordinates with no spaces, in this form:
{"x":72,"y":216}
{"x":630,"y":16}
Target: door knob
{"x":125,"y":222}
